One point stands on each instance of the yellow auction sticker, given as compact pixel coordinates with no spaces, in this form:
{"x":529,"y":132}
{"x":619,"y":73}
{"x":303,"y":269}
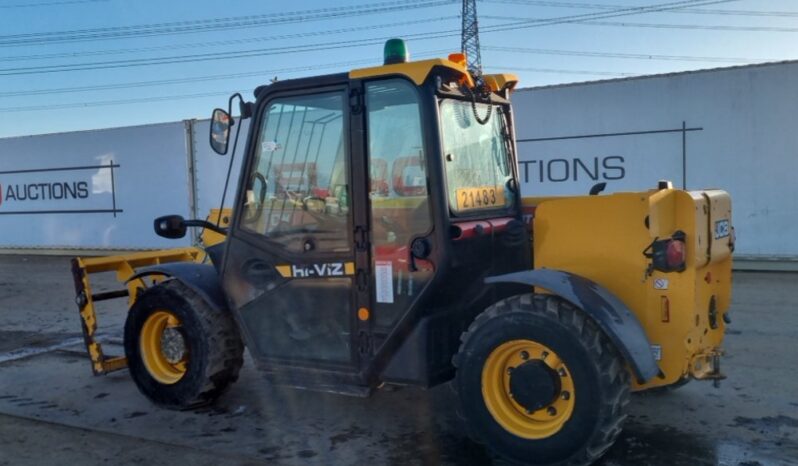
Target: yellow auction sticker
{"x":479,"y":198}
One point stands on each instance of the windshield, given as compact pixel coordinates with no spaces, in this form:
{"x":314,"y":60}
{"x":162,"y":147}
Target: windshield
{"x":476,"y":156}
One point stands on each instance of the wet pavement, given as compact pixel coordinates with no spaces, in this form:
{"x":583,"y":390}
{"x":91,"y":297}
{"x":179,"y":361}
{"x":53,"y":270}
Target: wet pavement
{"x":53,"y":411}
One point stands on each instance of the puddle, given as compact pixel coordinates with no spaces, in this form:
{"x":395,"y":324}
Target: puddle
{"x":11,"y":340}
{"x":770,"y":425}
{"x":641,"y":445}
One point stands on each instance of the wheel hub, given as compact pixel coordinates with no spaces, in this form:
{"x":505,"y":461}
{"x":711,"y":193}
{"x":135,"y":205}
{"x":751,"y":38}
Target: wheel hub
{"x":528,"y":389}
{"x":173,"y":345}
{"x":163,"y":347}
{"x":534,"y":385}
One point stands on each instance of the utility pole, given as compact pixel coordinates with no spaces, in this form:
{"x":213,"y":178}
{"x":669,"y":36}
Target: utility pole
{"x":470,"y":38}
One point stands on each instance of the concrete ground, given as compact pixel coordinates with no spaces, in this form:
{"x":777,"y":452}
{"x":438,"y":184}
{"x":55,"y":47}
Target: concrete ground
{"x":53,"y":411}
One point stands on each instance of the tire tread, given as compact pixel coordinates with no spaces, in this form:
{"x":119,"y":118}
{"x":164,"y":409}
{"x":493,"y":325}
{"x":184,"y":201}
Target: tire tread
{"x":225,"y":350}
{"x":609,"y":365}
{"x":223,"y":343}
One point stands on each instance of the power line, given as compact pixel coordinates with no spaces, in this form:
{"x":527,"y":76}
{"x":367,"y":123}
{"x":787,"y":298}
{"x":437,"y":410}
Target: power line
{"x":655,"y":8}
{"x":288,"y":36}
{"x":522,"y":24}
{"x":564,"y":71}
{"x":608,"y":6}
{"x":227,"y":76}
{"x":165,"y":82}
{"x":68,"y":2}
{"x":630,"y":56}
{"x":260,"y":20}
{"x":693,"y":26}
{"x":215,"y":24}
{"x":228,"y":42}
{"x":527,"y":23}
{"x":189,"y":58}
{"x":707,"y":27}
{"x":102,"y":103}
{"x":225,"y":55}
{"x":181,"y":96}
{"x":290,"y":15}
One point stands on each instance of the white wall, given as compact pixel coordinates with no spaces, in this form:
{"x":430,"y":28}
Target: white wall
{"x":111,"y":207}
{"x":742,"y":137}
{"x":210,"y":168}
{"x":92,"y":189}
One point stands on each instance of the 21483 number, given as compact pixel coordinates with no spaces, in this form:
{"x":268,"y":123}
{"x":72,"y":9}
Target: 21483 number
{"x":479,"y":198}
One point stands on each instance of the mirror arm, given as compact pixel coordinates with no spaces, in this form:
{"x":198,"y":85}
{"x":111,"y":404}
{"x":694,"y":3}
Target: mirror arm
{"x":245,"y":109}
{"x":230,"y":106}
{"x":206,"y":224}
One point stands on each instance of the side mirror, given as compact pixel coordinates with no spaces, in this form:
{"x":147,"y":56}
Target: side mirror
{"x":170,"y":226}
{"x":220,"y":130}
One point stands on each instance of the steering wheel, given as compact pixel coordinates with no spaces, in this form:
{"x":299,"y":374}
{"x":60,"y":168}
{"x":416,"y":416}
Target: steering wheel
{"x":306,"y":201}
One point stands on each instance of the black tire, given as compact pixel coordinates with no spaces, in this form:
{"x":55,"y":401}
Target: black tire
{"x":600,"y":379}
{"x":214,"y":346}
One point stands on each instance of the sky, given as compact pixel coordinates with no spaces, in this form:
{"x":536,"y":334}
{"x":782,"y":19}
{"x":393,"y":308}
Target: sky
{"x":72,"y":65}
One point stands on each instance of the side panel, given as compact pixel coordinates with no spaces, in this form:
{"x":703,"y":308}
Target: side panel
{"x":603,"y":238}
{"x":201,"y":278}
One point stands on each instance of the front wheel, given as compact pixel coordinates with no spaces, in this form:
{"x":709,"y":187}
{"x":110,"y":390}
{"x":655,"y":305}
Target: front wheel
{"x":539,"y":383}
{"x":181,"y":352}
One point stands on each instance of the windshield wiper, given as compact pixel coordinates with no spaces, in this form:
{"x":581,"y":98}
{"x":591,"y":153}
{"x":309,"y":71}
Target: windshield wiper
{"x":507,"y":139}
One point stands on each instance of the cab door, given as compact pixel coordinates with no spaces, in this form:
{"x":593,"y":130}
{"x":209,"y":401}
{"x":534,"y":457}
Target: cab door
{"x":289,"y":270}
{"x":399,"y":204}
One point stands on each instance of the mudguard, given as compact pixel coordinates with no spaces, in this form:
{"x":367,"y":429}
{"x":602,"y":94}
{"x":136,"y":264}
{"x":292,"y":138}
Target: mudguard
{"x":202,"y":278}
{"x":609,"y":312}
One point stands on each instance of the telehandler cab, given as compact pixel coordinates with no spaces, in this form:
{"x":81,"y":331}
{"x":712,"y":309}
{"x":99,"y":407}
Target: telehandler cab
{"x":379,"y":236}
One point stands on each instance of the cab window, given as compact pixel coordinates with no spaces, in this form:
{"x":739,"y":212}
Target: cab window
{"x":398,"y":196}
{"x":298,"y":189}
{"x":477,"y":157}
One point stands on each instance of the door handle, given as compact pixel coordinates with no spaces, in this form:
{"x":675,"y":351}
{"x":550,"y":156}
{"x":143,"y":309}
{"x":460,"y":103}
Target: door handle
{"x":257,"y":270}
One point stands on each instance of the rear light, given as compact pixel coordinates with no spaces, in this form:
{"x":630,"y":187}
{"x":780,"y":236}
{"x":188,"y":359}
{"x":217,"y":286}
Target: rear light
{"x":675,"y":254}
{"x":668,"y":255}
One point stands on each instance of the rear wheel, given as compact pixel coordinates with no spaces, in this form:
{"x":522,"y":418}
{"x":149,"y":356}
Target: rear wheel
{"x":181,"y":352}
{"x":539,"y":383}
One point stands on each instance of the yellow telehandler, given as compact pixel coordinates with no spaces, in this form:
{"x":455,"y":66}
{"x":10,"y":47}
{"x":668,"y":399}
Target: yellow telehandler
{"x":379,"y":236}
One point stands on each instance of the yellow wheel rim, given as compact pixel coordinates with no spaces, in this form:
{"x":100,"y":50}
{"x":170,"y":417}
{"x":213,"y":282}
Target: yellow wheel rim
{"x":162,"y":347}
{"x":513,"y":417}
